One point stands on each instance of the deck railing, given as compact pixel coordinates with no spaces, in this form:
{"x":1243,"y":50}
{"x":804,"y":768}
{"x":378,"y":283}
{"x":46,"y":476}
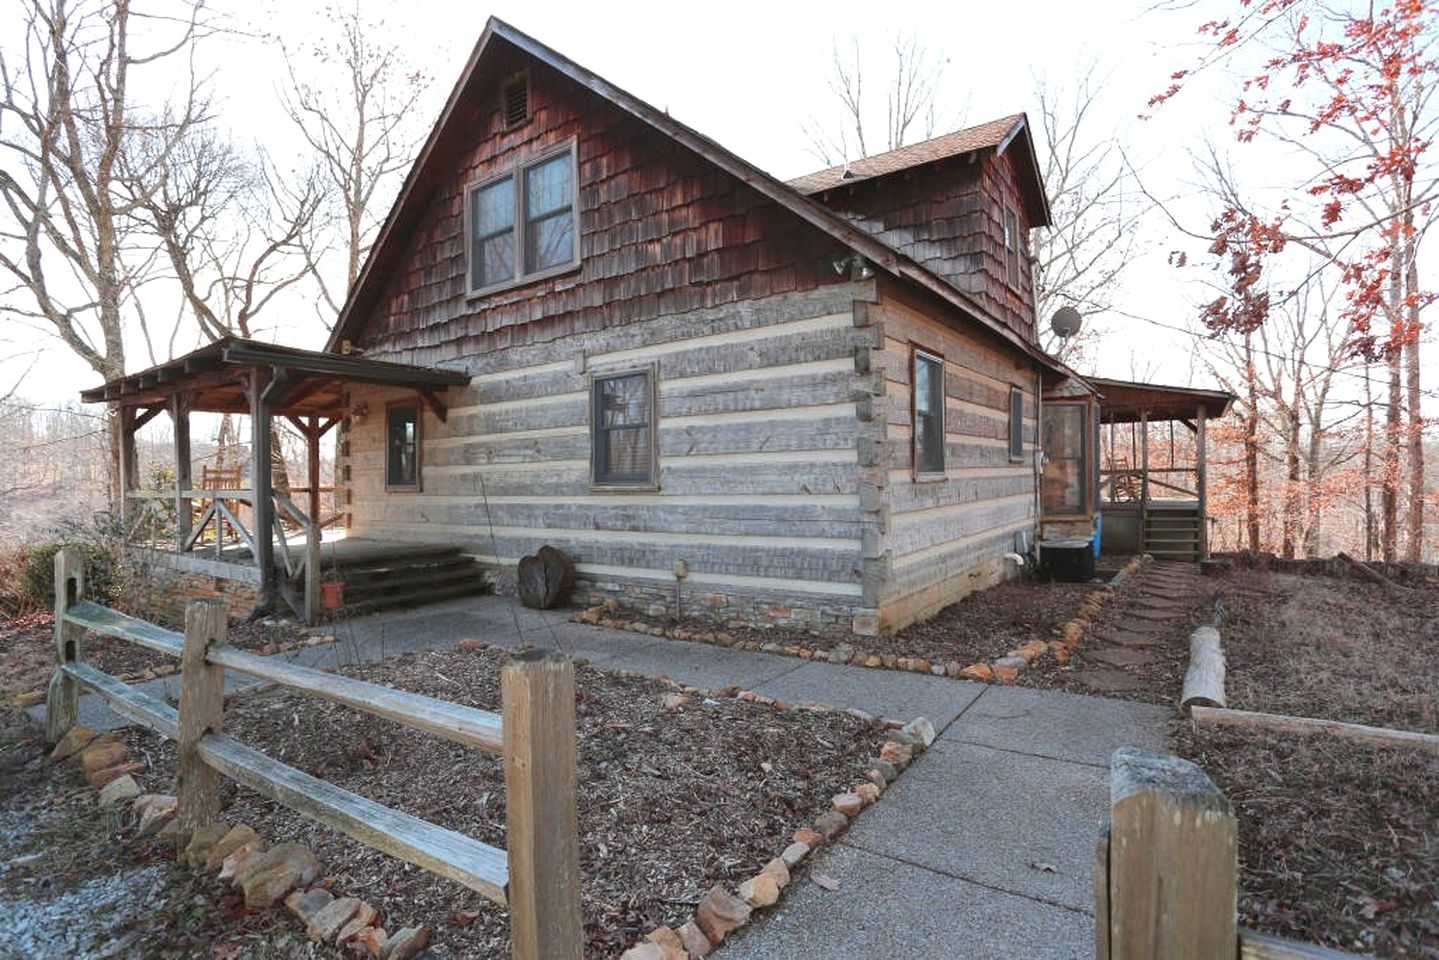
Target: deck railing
{"x":536,"y":876}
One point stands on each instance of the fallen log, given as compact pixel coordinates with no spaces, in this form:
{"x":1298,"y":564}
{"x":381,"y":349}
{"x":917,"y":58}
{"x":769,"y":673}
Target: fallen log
{"x":1364,"y":570}
{"x":1309,"y":726}
{"x":1204,"y":681}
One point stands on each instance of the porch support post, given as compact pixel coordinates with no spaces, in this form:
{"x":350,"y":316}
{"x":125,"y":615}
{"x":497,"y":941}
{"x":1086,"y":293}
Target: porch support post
{"x":129,"y":466}
{"x":1200,"y":465}
{"x":180,"y":414}
{"x":260,"y":467}
{"x":1143,"y":479}
{"x":312,"y":449}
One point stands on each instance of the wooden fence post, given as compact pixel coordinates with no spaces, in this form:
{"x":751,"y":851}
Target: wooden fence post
{"x":538,"y":695}
{"x":1173,"y":868}
{"x":312,"y":572}
{"x":62,"y":697}
{"x":202,"y":687}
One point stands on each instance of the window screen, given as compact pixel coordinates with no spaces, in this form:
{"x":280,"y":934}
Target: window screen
{"x":402,"y":447}
{"x":549,"y":214}
{"x":1016,"y":423}
{"x":1066,"y":465}
{"x":928,"y":413}
{"x":623,"y":429}
{"x":492,"y":215}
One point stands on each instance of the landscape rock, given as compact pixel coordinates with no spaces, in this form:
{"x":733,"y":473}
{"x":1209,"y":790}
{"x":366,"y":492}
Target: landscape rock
{"x":103,"y":752}
{"x":760,"y":890}
{"x":304,"y":904}
{"x":921,"y":729}
{"x":899,"y":754}
{"x":77,"y":738}
{"x":119,"y":790}
{"x":808,"y":836}
{"x":368,"y":942}
{"x":99,"y":779}
{"x":978,"y":671}
{"x":902,"y":736}
{"x":1006,"y":669}
{"x":644,"y":950}
{"x":328,"y":920}
{"x":276,"y":872}
{"x":203,"y":840}
{"x":237,"y":837}
{"x":694,"y":939}
{"x":885,"y":769}
{"x":154,"y":810}
{"x":795,"y":853}
{"x":363,"y":919}
{"x":867,"y":792}
{"x":673,"y":701}
{"x":404,"y":944}
{"x":237,"y":861}
{"x":848,"y":804}
{"x":669,"y":942}
{"x":831,"y":823}
{"x":720,"y":913}
{"x":779,"y":870}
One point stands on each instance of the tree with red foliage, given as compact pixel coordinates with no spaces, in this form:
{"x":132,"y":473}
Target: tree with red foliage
{"x":1350,"y":92}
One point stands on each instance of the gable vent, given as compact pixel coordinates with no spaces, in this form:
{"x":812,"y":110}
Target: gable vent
{"x":515,"y":102}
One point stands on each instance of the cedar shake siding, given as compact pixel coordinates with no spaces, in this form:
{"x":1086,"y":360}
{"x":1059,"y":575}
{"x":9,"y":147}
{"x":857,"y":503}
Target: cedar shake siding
{"x":949,"y":217}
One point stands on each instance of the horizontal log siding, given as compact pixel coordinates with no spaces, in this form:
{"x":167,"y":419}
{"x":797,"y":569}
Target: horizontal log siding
{"x":758,"y":489}
{"x":948,"y":217}
{"x":946,"y":536}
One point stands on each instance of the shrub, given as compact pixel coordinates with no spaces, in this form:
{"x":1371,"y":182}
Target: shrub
{"x":38,"y":575}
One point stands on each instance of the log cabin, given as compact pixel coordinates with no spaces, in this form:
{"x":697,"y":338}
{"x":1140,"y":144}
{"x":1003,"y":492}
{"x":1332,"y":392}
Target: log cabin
{"x":813,"y":404}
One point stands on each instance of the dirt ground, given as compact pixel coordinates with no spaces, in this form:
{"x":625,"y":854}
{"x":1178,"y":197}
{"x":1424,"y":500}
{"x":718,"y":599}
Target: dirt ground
{"x":671,"y":802}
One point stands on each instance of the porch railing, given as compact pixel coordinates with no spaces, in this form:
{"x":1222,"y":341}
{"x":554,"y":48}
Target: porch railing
{"x":1137,"y":485}
{"x":536,"y":876}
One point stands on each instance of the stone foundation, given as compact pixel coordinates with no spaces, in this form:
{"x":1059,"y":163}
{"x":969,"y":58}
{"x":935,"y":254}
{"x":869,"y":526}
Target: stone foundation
{"x":162,"y":587}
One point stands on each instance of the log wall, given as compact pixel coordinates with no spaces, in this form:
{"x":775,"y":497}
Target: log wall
{"x":945,"y":537}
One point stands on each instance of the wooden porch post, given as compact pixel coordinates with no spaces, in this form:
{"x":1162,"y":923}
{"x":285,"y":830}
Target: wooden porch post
{"x":264,"y":506}
{"x":1199,"y":461}
{"x":180,"y":414}
{"x":1143,"y":479}
{"x":312,"y":449}
{"x":129,"y":466}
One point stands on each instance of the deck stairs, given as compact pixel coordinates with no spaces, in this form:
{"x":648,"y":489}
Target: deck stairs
{"x":386,"y":576}
{"x":1172,"y":533}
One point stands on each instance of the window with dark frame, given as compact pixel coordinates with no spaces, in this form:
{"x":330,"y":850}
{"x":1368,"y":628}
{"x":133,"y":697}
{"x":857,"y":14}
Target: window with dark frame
{"x":1011,"y":246}
{"x":622,"y":426}
{"x":523,"y":224}
{"x":928,"y":413}
{"x":402,"y":446}
{"x":1016,"y":423}
{"x":1066,"y":460}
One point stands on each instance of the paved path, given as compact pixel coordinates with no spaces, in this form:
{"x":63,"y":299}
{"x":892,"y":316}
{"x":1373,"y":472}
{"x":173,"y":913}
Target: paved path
{"x":982,"y":849}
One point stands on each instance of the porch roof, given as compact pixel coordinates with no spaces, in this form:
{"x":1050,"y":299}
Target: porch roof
{"x":217,"y":377}
{"x":1122,"y":401}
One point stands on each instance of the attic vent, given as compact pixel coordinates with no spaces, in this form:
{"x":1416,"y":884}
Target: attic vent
{"x":515,"y":102}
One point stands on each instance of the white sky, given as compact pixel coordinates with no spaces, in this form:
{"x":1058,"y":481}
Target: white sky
{"x":747,"y":74}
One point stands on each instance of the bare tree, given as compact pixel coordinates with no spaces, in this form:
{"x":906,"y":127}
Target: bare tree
{"x":913,"y":103}
{"x":354,"y":99}
{"x":69,"y":127}
{"x":1095,"y":212}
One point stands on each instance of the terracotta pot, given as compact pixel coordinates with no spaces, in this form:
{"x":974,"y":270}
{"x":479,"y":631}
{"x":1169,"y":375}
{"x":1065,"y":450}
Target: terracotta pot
{"x":332,"y":594}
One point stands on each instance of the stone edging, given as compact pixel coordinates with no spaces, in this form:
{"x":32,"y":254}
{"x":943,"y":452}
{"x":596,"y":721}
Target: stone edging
{"x":1003,"y":670}
{"x":286,"y":872}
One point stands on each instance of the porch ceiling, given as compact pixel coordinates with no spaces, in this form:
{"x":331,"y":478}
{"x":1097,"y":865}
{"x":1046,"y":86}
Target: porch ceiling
{"x":1122,"y":401}
{"x":217,"y":378}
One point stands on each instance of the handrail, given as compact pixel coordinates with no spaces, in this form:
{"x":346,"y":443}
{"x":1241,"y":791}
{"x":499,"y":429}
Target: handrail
{"x":536,"y":876}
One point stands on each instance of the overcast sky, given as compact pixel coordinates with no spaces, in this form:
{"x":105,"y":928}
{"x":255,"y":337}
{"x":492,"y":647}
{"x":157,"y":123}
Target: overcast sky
{"x":750,"y":74}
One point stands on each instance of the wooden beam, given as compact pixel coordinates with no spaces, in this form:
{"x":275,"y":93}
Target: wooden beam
{"x":129,"y":702}
{"x":1201,"y":469}
{"x":1309,"y":726}
{"x":263,"y":506}
{"x":436,"y":405}
{"x":312,"y":466}
{"x":1254,"y":945}
{"x":202,"y":705}
{"x":150,"y":414}
{"x":538,"y":694}
{"x":62,"y":698}
{"x":88,"y":615}
{"x":184,"y":517}
{"x":129,"y":467}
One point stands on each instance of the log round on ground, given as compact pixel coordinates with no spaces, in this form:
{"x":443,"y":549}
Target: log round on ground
{"x":545,"y":579}
{"x":1204,"y":681}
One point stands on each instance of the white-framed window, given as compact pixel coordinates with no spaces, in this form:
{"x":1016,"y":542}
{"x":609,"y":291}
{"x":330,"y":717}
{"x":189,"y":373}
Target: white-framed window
{"x":523,"y":224}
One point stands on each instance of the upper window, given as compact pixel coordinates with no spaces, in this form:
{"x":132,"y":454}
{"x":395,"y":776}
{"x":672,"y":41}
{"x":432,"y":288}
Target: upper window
{"x":622,"y":428}
{"x":928,"y":413}
{"x":1016,"y":423}
{"x":402,"y":446}
{"x":1011,"y":246}
{"x":523,"y":225}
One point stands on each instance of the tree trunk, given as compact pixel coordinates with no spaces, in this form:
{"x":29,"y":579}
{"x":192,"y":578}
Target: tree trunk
{"x":1251,"y":445}
{"x":1414,"y":545}
{"x":1293,"y":492}
{"x":1389,"y":496}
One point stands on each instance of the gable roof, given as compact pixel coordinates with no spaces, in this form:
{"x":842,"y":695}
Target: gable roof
{"x":450,"y":135}
{"x":996,"y":135}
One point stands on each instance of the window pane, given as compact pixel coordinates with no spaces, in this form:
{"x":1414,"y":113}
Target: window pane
{"x":547,"y":187}
{"x":1063,"y":486}
{"x":1067,"y":463}
{"x":928,"y":414}
{"x":626,"y":401}
{"x":402,"y":447}
{"x":1064,"y":430}
{"x":492,"y":244}
{"x":623,"y":431}
{"x":1016,"y":423}
{"x":550,"y":242}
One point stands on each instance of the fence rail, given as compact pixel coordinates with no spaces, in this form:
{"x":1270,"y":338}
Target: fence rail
{"x":536,"y":876}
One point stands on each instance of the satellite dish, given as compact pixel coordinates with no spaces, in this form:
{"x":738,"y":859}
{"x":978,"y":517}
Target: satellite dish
{"x":1066,"y":322}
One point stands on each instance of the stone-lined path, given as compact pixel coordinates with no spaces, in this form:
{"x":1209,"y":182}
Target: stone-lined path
{"x":983,"y":849}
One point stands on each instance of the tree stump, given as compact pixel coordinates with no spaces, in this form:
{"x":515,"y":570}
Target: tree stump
{"x":545,"y":579}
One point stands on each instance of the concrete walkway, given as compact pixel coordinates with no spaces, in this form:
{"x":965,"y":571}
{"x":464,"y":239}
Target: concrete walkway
{"x":983,"y":848}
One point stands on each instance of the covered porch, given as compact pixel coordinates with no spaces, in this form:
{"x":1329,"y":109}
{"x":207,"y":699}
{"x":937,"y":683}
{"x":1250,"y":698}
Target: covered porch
{"x":236,"y":522}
